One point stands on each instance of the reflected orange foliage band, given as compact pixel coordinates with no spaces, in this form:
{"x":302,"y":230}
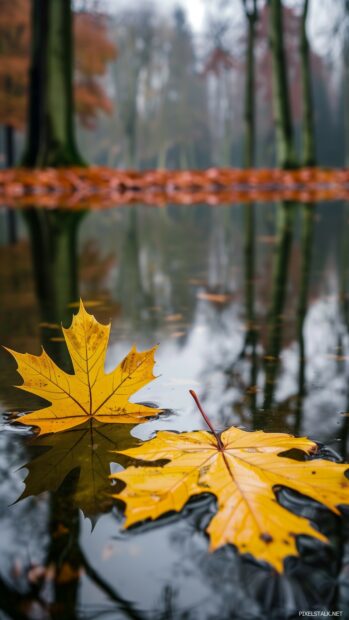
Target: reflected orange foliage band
{"x":99,"y":187}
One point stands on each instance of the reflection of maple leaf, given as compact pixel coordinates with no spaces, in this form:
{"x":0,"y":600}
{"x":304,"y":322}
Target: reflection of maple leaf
{"x":87,"y":449}
{"x":241,"y":469}
{"x":89,"y":392}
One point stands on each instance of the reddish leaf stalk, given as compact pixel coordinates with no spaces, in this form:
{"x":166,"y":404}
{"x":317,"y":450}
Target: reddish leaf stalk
{"x":207,"y":420}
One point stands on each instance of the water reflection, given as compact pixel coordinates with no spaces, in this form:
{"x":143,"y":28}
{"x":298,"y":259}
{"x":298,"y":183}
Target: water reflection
{"x":307,"y":227}
{"x":250,"y":307}
{"x":53,"y":242}
{"x":285,"y":216}
{"x":85,"y":451}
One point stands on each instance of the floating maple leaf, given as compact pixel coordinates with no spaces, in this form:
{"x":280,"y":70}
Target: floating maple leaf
{"x":89,"y":392}
{"x":241,"y":469}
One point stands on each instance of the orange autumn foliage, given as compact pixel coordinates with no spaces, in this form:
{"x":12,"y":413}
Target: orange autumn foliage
{"x":102,"y":187}
{"x":93,"y":50}
{"x":91,"y":33}
{"x":14,"y":61}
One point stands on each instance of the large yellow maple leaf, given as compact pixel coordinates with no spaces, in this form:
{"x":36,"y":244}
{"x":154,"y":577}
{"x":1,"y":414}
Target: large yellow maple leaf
{"x":241,"y":469}
{"x":89,"y":392}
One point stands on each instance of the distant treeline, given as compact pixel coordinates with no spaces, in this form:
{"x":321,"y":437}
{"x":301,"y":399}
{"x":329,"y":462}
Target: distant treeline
{"x":150,"y":91}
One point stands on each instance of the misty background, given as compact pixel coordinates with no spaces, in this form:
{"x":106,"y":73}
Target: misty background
{"x":162,"y":85}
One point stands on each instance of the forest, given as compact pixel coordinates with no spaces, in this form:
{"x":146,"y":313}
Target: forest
{"x":239,"y":92}
{"x":174,"y":317}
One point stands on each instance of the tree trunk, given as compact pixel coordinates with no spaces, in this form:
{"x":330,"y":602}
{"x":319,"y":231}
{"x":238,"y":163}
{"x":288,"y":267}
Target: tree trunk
{"x":51,"y":139}
{"x":281,"y":102}
{"x":9,"y":146}
{"x":309,"y":155}
{"x":249,"y":113}
{"x":162,"y":157}
{"x":346,"y":87}
{"x":346,"y":109}
{"x":9,"y":162}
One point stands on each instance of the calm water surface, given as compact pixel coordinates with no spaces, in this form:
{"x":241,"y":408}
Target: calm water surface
{"x":249,"y":305}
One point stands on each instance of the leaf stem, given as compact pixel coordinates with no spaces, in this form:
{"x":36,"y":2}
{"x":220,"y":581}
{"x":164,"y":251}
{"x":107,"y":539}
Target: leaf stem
{"x":207,"y":420}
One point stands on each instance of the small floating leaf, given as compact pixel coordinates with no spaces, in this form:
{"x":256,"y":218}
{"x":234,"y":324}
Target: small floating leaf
{"x":89,"y":392}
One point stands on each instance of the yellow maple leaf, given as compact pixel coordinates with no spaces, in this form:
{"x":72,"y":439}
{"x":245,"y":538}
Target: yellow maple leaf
{"x":89,"y":392}
{"x":241,"y":469}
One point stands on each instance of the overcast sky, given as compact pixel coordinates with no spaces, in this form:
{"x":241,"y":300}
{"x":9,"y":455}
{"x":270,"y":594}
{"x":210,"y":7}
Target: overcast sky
{"x":194,"y":9}
{"x":322,"y":15}
{"x":321,"y":11}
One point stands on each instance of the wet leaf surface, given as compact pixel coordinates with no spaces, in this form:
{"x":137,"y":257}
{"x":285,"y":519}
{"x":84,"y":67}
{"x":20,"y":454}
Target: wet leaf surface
{"x":241,"y":469}
{"x":89,"y":392}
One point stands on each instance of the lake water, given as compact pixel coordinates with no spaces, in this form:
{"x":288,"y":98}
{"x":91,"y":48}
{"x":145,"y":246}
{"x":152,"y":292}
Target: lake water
{"x":250,"y":307}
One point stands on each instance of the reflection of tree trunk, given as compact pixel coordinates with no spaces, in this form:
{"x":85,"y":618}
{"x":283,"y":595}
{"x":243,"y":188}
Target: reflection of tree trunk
{"x":344,"y":299}
{"x":281,"y":102}
{"x":131,"y":289}
{"x":10,"y":161}
{"x":51,"y":139}
{"x":64,"y":554}
{"x":341,"y":594}
{"x":130,"y":276}
{"x":344,"y":433}
{"x":14,"y":603}
{"x":344,"y":279}
{"x":53,"y":239}
{"x":67,"y":559}
{"x":249,"y":265}
{"x":308,"y":213}
{"x":53,"y":243}
{"x":278,"y":296}
{"x":308,"y":117}
{"x":251,"y":334}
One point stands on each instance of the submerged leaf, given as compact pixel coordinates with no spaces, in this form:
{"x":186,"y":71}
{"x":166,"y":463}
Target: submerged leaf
{"x":241,"y":469}
{"x":89,"y":392}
